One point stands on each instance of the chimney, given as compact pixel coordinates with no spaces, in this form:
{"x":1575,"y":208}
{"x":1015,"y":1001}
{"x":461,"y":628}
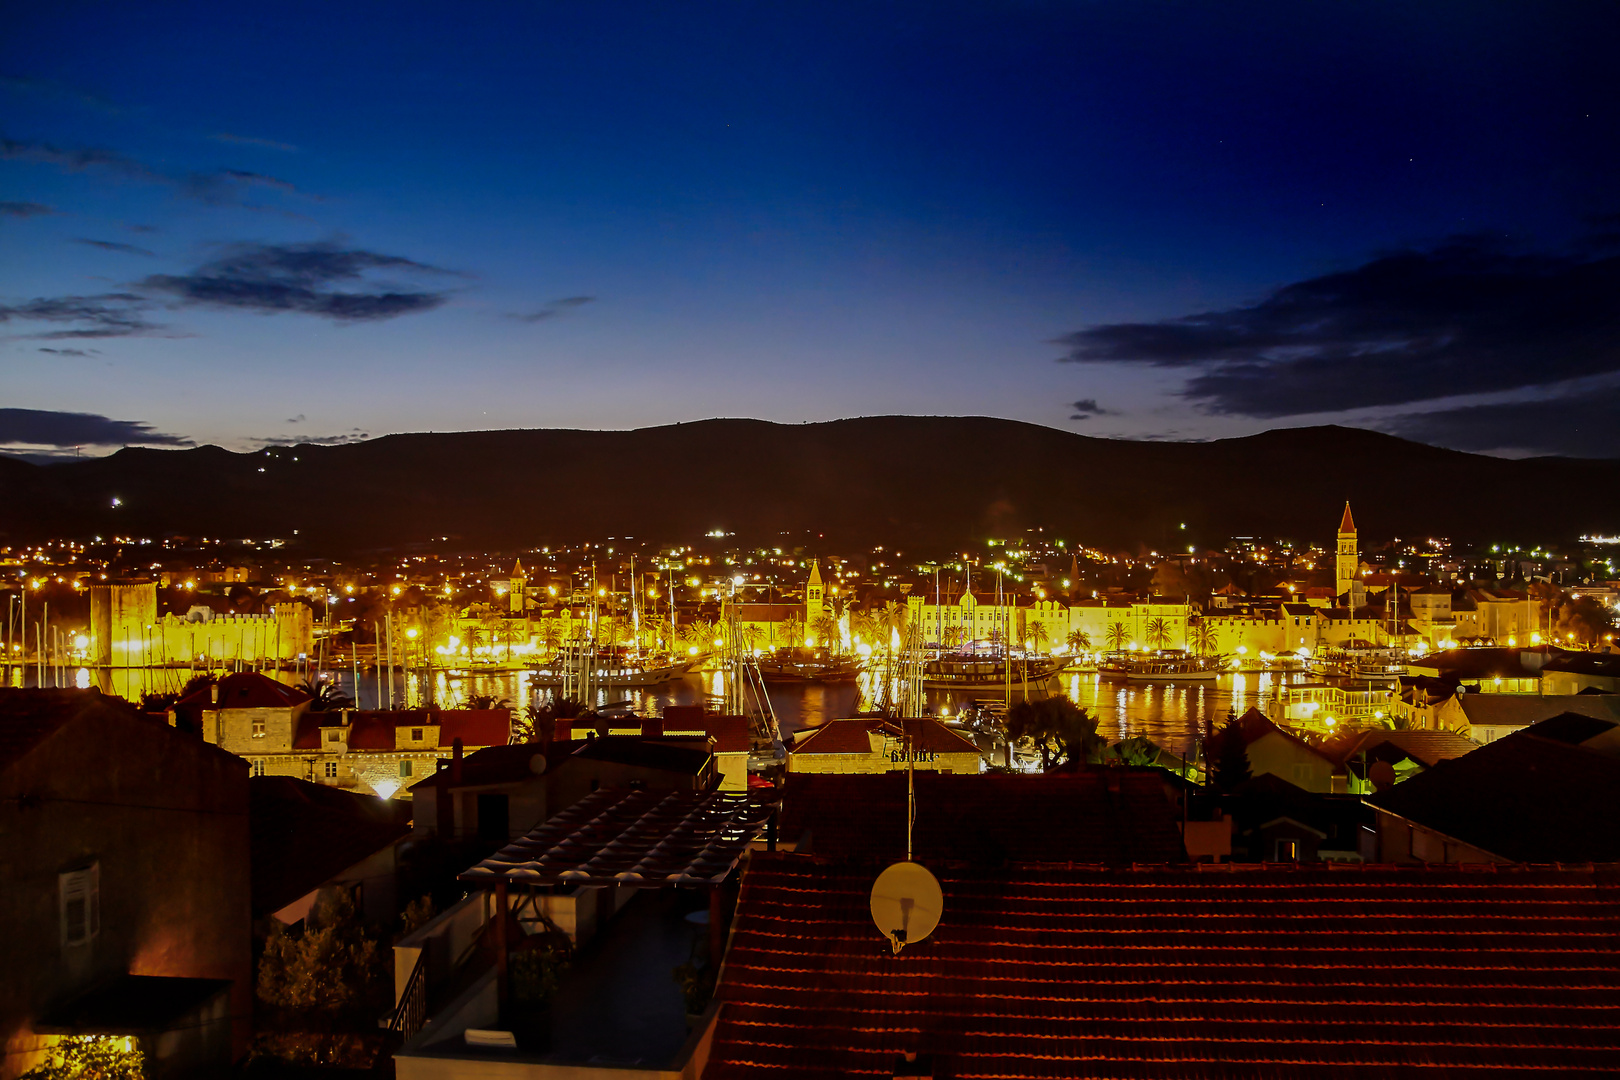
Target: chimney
{"x":455,"y":761}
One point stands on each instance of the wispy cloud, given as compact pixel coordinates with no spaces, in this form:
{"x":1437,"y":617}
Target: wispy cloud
{"x":50,"y":88}
{"x":71,"y":352}
{"x":249,"y":140}
{"x":43,"y":427}
{"x":552,"y":309}
{"x":219,"y":187}
{"x":112,"y":245}
{"x":311,"y":279}
{"x":1467,"y":317}
{"x":105,"y":315}
{"x":24,"y":209}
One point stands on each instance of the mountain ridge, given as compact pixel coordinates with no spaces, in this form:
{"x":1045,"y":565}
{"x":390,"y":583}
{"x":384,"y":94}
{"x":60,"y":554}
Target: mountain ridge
{"x":937,"y":481}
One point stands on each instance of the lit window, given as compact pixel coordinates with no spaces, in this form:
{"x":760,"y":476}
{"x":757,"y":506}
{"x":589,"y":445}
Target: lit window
{"x":258,"y":768}
{"x":404,"y":768}
{"x":334,"y":736}
{"x":258,"y":729}
{"x":331,"y":770}
{"x":80,"y":898}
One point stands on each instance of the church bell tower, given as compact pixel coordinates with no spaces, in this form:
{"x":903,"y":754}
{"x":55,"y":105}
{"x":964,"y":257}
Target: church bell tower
{"x":1349,"y":556}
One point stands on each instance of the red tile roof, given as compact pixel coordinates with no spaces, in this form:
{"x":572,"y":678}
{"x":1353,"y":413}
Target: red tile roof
{"x":1112,"y":816}
{"x":1347,"y":524}
{"x":1177,"y":972}
{"x":850,"y":737}
{"x":375,"y":730}
{"x":246,"y":690}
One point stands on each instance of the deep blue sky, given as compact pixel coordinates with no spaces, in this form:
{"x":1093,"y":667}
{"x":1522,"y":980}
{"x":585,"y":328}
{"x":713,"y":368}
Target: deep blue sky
{"x":231,"y":224}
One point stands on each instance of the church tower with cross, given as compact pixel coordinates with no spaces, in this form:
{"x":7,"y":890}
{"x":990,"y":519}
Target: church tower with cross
{"x":1348,"y":559}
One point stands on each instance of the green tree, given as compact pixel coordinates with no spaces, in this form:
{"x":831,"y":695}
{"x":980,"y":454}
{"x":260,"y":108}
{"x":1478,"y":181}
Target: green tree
{"x":91,"y":1057}
{"x":330,"y":967}
{"x":1061,"y":731}
{"x":1138,"y":750}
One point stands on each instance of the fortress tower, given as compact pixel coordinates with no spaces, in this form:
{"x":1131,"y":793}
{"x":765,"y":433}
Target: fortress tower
{"x":1348,"y":560}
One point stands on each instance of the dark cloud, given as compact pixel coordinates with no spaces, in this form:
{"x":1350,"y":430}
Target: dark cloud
{"x":41,"y":427}
{"x":353,"y":435}
{"x":1583,"y":424}
{"x":299,"y":419}
{"x":1086,"y":408}
{"x":103,"y":316}
{"x":110,"y":245}
{"x":24,"y":209}
{"x":23,"y":84}
{"x":1467,"y":317}
{"x":270,"y":278}
{"x":71,"y":352}
{"x":552,"y":309}
{"x":248,"y":140}
{"x":220,"y":187}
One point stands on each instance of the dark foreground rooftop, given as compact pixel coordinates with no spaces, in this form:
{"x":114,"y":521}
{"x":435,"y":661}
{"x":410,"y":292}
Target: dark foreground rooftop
{"x":1178,"y":972}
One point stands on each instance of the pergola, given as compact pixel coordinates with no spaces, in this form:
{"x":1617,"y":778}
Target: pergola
{"x":630,"y":837}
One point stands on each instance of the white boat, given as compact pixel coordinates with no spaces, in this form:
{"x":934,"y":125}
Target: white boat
{"x":1171,"y":669}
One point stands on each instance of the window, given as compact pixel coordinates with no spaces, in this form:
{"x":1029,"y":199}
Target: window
{"x":258,"y":729}
{"x":80,"y":897}
{"x":1288,"y":851}
{"x":416,"y":736}
{"x":331,"y":770}
{"x":405,"y":768}
{"x":258,"y":767}
{"x":334,"y":736}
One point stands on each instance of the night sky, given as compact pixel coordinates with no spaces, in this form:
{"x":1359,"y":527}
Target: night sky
{"x":244,"y":224}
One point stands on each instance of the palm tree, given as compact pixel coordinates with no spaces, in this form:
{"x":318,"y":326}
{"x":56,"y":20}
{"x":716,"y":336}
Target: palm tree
{"x":551,"y":637}
{"x":1117,"y":637}
{"x":1201,"y":636}
{"x":1039,"y":636}
{"x":1078,"y":641}
{"x":325,"y":696}
{"x":894,"y":619}
{"x":1158,"y":631}
{"x":751,"y":633}
{"x":793,"y":631}
{"x":826,"y":631}
{"x":863,"y":626}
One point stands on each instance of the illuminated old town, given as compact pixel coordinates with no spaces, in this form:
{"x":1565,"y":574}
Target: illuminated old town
{"x":439,"y":680}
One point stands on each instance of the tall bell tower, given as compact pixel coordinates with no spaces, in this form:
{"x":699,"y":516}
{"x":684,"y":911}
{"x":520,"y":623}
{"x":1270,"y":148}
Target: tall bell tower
{"x":815,"y":598}
{"x":1349,"y":556}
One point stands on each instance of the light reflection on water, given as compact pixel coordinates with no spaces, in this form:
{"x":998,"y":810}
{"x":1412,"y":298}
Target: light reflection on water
{"x":1169,"y":714}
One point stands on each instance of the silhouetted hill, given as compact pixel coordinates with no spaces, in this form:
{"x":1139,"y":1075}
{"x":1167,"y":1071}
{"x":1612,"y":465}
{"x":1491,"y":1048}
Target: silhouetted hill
{"x":940,"y":481}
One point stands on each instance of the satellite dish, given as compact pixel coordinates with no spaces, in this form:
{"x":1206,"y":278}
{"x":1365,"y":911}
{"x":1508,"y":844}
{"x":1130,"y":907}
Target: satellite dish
{"x":537,"y":764}
{"x":906,"y":903}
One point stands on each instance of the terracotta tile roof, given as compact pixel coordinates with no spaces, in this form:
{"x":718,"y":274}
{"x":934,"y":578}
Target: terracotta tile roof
{"x":1424,"y":747}
{"x":834,"y":737}
{"x":1112,"y":816}
{"x":305,"y":834}
{"x":29,"y":717}
{"x":246,"y":690}
{"x":1523,"y":798}
{"x":850,"y":737}
{"x":474,"y":727}
{"x":1176,"y":972}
